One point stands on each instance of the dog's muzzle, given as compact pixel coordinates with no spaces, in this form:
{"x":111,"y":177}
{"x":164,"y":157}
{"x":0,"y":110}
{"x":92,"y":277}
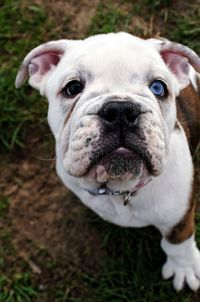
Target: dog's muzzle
{"x":122,"y":153}
{"x":116,"y":143}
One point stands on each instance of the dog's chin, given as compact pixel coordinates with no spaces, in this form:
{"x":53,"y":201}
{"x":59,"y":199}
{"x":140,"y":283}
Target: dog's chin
{"x":117,"y":166}
{"x":120,"y":170}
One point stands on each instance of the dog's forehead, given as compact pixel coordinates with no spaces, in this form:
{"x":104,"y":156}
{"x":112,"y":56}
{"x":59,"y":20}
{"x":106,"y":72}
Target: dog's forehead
{"x":105,"y":52}
{"x":106,"y":43}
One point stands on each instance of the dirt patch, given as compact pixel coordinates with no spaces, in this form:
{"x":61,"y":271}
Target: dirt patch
{"x":74,"y":16}
{"x":48,"y":225}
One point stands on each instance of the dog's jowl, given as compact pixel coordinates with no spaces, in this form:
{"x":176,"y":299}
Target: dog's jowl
{"x":125,"y":113}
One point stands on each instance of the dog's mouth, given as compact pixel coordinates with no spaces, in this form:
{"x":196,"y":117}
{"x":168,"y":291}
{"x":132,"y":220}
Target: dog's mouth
{"x":121,"y":172}
{"x":119,"y":165}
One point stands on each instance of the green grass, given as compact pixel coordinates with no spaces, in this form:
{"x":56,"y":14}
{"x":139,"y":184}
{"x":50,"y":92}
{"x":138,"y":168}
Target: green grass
{"x":16,"y":284}
{"x":107,"y":19}
{"x":4,"y":203}
{"x":21,"y":30}
{"x":131,"y":270}
{"x":181,"y":24}
{"x":186,"y":28}
{"x":17,"y":289}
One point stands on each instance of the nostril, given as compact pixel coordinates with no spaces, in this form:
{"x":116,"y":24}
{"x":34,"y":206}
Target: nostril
{"x":131,"y":115}
{"x":109,"y":114}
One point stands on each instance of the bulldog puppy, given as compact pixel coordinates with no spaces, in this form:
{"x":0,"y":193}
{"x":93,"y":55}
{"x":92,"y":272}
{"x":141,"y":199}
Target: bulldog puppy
{"x":125,"y":113}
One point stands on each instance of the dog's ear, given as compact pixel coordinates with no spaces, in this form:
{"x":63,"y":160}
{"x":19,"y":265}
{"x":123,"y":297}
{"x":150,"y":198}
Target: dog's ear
{"x":178,"y":58}
{"x":39,"y":64}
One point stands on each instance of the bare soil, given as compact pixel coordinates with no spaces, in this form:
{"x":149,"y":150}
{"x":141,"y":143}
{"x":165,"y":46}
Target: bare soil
{"x":47,"y":224}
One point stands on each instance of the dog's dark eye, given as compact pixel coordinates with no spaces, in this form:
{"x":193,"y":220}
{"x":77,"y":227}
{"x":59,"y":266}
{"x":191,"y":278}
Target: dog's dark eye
{"x":158,"y":88}
{"x":72,"y":88}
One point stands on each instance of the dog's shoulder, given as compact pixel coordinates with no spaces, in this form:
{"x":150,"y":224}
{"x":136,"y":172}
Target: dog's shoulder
{"x":188,"y":111}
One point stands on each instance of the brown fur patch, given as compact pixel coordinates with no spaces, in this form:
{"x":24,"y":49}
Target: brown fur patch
{"x":188,"y":111}
{"x":198,"y":85}
{"x":186,"y":227}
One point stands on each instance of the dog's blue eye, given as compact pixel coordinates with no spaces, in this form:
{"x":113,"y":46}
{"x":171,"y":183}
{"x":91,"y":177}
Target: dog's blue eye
{"x":158,"y":88}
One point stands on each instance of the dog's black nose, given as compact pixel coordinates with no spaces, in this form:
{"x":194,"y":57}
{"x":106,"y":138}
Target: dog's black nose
{"x":120,"y":113}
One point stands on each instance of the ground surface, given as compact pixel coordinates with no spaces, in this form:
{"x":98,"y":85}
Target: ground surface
{"x":52,"y":248}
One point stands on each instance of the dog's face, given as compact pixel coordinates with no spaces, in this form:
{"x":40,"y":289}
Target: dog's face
{"x":111,"y":105}
{"x":118,"y":130}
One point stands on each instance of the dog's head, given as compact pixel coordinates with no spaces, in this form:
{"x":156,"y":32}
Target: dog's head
{"x":111,"y":103}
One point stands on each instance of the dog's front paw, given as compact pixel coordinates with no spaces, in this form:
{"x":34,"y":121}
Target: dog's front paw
{"x":182,"y":275}
{"x":183,"y":264}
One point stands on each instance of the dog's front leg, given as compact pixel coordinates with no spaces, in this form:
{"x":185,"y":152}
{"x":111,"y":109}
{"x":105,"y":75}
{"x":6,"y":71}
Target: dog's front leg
{"x":183,"y":263}
{"x":183,"y":256}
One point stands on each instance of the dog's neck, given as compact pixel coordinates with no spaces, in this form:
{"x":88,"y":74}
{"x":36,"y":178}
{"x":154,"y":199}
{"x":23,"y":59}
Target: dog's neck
{"x":127,"y":194}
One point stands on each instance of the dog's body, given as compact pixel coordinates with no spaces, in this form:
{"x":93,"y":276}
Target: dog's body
{"x":122,"y":111}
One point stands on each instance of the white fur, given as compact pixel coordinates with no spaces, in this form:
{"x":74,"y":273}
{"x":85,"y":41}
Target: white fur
{"x":121,"y":65}
{"x":165,"y":205}
{"x":183,"y":263}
